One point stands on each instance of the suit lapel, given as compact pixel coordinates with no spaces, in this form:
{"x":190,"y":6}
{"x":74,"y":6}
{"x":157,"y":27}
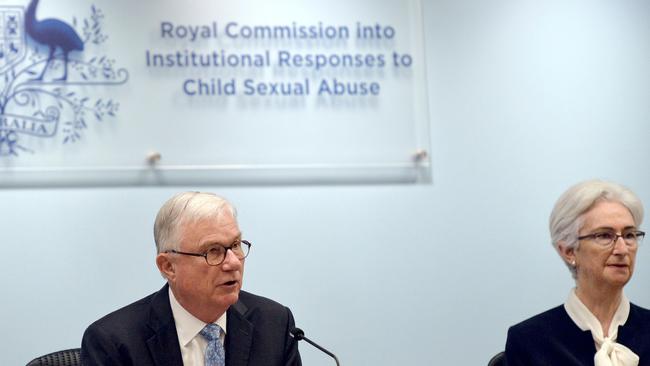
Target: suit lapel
{"x":163,"y":344}
{"x":239,"y":336}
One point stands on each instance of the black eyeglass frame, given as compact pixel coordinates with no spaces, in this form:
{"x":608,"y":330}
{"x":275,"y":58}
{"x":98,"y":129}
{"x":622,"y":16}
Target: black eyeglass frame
{"x":205,"y":255}
{"x":639,"y":235}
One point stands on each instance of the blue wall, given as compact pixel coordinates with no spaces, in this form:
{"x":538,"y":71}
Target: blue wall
{"x":526,"y":98}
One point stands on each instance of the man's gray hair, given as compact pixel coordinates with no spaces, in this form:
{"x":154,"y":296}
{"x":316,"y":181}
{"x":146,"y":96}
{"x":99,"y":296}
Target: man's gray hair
{"x":185,"y":208}
{"x":567,"y":218}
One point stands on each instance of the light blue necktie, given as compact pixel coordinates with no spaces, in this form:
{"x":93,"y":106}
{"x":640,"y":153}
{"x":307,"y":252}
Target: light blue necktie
{"x":215,"y":355}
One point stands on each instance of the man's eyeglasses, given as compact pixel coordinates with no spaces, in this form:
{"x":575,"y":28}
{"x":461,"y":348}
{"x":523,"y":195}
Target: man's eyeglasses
{"x":607,"y":238}
{"x":215,"y":255}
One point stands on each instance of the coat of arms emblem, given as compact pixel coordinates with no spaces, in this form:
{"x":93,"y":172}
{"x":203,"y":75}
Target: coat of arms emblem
{"x":47,"y":69}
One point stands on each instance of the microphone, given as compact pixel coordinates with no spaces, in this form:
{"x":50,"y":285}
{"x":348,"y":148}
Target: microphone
{"x":299,"y":335}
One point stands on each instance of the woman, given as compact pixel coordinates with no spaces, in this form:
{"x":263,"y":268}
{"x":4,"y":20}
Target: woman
{"x":595,"y":229}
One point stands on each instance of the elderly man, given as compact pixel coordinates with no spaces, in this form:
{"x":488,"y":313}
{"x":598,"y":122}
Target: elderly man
{"x":201,"y":316}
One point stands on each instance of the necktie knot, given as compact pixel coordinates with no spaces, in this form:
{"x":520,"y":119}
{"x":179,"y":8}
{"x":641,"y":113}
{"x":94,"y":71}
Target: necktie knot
{"x":211,"y":332}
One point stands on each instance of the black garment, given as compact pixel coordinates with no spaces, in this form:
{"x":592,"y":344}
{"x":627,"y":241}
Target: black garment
{"x":553,"y":339}
{"x":144,"y":334}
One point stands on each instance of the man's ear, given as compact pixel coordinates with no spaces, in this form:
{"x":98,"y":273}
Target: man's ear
{"x":165,"y":266}
{"x":567,"y":253}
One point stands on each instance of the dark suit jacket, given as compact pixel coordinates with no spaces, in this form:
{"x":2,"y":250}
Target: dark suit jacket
{"x":144,"y":333}
{"x":552,"y":338}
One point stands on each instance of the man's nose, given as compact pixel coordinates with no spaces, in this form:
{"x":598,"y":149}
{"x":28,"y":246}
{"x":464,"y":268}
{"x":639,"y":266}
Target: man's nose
{"x":231,"y":261}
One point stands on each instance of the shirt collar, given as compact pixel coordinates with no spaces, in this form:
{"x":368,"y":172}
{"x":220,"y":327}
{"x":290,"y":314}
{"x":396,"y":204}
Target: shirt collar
{"x":585,"y":320}
{"x":187,"y":325}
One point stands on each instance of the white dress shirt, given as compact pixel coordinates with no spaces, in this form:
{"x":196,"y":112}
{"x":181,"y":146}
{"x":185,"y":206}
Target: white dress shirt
{"x":192,"y":343}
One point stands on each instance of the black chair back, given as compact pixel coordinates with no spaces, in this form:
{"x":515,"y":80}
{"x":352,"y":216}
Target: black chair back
{"x":68,"y":357}
{"x":498,"y":360}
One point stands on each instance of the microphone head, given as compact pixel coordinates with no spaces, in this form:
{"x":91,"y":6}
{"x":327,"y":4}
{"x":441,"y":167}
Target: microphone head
{"x":297,"y":333}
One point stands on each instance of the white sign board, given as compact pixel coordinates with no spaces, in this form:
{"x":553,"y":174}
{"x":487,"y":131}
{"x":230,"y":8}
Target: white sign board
{"x":211,"y":92}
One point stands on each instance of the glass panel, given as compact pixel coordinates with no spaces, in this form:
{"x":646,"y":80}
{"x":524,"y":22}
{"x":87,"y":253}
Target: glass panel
{"x":216,"y":92}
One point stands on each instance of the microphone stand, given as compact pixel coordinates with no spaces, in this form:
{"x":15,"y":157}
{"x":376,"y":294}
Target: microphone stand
{"x":299,"y":335}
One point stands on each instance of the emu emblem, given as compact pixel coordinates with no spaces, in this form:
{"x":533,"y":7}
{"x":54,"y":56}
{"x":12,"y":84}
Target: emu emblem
{"x":46,"y":96}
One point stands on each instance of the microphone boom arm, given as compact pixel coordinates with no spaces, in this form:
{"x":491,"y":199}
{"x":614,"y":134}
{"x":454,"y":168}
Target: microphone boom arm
{"x":298,"y":334}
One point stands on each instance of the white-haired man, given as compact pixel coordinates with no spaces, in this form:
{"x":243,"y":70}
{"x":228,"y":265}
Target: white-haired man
{"x":201,"y":316}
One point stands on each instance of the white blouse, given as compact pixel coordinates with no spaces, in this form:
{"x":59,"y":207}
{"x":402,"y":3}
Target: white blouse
{"x":609,"y":353}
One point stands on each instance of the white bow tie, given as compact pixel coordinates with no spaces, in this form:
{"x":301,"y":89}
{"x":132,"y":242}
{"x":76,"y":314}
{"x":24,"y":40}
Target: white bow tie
{"x":614,"y":354}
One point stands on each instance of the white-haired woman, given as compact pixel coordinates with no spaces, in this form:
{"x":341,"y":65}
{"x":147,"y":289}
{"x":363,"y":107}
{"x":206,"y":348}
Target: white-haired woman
{"x":595,"y":229}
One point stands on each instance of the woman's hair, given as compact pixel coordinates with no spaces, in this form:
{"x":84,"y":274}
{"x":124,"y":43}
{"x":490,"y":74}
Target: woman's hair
{"x":185,"y":208}
{"x":566,"y":219}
